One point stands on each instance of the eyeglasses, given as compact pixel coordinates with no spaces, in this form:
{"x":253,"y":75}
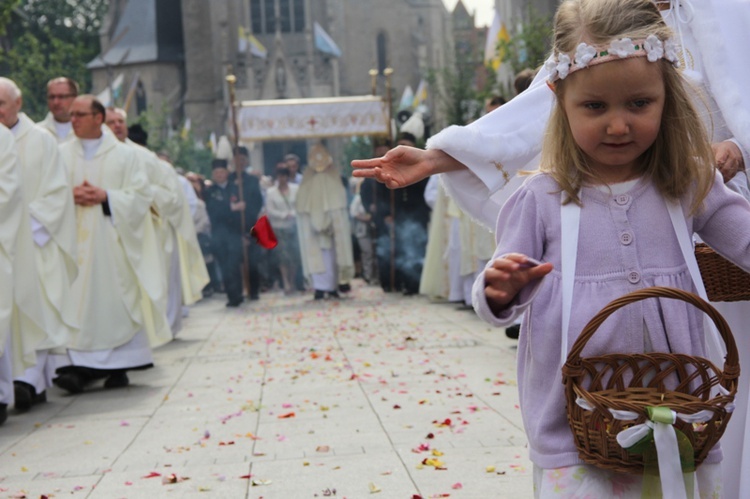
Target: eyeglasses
{"x":77,"y":114}
{"x":60,"y":96}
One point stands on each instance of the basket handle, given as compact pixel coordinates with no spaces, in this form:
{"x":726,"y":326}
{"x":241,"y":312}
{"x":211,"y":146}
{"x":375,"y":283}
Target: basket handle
{"x":732,"y":359}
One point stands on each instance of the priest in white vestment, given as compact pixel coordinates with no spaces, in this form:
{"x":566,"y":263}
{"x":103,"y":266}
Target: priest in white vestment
{"x":185,"y":272}
{"x":60,"y":94}
{"x":49,"y":199}
{"x":160,"y":321}
{"x":22,"y":319}
{"x":115,"y":257}
{"x":435,"y":282}
{"x":323,"y":225}
{"x":191,"y":272}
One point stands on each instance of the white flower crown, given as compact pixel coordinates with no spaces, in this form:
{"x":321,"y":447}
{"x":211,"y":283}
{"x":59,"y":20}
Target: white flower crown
{"x":560,"y":65}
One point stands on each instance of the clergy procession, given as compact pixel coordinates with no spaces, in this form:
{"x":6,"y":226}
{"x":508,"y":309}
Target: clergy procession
{"x":335,"y":269}
{"x":100,"y":252}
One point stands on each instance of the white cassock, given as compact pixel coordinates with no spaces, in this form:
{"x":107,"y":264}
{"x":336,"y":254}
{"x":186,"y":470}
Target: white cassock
{"x":434,"y":281}
{"x":52,"y":219}
{"x":116,"y":260}
{"x":62,"y":132}
{"x":324,"y":229}
{"x":477,"y":248}
{"x":185,"y":273}
{"x":189,"y":191}
{"x":714,"y":36}
{"x":160,"y":319}
{"x":22,"y":318}
{"x":192,"y":266}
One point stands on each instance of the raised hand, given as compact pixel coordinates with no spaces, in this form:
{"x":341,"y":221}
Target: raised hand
{"x":404,"y":166}
{"x":507,"y":276}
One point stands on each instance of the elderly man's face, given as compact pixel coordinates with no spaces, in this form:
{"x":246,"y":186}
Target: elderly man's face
{"x":59,"y":100}
{"x":9,"y":107}
{"x":116,"y":122}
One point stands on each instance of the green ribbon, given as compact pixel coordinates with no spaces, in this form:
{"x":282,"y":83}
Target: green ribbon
{"x":660,"y":414}
{"x":647,"y":448}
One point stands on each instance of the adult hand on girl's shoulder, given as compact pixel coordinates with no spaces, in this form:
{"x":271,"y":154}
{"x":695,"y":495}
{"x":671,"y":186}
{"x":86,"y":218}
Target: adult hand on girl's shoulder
{"x":507,"y":276}
{"x":728,"y":159}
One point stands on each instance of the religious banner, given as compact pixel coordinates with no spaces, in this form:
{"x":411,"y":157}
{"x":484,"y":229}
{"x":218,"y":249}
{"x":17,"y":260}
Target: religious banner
{"x":285,"y":119}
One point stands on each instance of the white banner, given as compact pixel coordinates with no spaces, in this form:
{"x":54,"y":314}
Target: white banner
{"x":285,"y":119}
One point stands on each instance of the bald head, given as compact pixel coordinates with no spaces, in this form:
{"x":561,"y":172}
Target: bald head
{"x":10,"y":102}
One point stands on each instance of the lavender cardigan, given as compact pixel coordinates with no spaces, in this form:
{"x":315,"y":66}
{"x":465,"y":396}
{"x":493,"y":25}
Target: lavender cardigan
{"x":626,"y":242}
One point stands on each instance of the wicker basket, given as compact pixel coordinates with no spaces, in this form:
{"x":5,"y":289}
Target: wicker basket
{"x":724,"y":280}
{"x":616,"y":381}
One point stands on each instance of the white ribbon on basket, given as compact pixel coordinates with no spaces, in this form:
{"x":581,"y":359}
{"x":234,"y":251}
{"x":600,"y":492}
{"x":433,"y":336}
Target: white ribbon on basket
{"x":665,"y":438}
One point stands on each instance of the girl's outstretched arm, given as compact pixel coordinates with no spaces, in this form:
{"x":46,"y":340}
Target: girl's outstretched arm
{"x":405,"y":165}
{"x":507,"y":276}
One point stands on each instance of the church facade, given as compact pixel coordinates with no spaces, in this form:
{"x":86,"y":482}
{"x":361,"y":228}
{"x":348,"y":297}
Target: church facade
{"x":175,"y":54}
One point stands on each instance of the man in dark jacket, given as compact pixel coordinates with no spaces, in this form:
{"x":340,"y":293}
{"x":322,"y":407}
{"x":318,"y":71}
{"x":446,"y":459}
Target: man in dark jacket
{"x":224,"y":208}
{"x":253,"y":199}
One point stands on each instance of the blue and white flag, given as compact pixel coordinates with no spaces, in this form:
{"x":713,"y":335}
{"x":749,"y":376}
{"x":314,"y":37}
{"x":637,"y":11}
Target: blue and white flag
{"x":407,"y":98}
{"x":325,"y":43}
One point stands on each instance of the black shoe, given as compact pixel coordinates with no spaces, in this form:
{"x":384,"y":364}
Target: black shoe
{"x":319,"y":295}
{"x":71,"y":382}
{"x":254,"y":298}
{"x":513,"y":331}
{"x":334,"y":295}
{"x":345,"y":288}
{"x":3,"y":413}
{"x":26,"y":396}
{"x":465,"y":307}
{"x":234,"y":303}
{"x":117,"y":380}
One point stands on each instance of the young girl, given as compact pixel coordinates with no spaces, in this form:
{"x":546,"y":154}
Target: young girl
{"x":623,"y":148}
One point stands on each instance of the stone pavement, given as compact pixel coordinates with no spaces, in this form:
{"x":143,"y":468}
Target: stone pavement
{"x":371,"y":396}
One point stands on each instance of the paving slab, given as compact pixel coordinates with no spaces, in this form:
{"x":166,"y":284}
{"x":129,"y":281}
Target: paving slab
{"x":374,"y":395}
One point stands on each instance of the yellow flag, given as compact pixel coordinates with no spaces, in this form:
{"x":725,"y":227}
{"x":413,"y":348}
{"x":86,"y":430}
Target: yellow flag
{"x":420,"y":96}
{"x":497,"y":32}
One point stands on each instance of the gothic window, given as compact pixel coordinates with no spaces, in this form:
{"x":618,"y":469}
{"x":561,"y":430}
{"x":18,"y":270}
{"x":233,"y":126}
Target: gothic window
{"x":298,"y":11}
{"x":291,"y":16}
{"x":256,"y":17}
{"x":286,"y":17}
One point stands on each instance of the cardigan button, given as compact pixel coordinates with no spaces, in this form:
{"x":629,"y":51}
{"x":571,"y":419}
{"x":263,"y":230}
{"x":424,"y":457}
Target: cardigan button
{"x":626,"y":238}
{"x":634,"y":277}
{"x":622,"y":199}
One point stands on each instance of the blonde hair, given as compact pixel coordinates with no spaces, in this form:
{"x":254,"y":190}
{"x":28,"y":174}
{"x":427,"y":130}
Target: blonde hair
{"x":680,"y":161}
